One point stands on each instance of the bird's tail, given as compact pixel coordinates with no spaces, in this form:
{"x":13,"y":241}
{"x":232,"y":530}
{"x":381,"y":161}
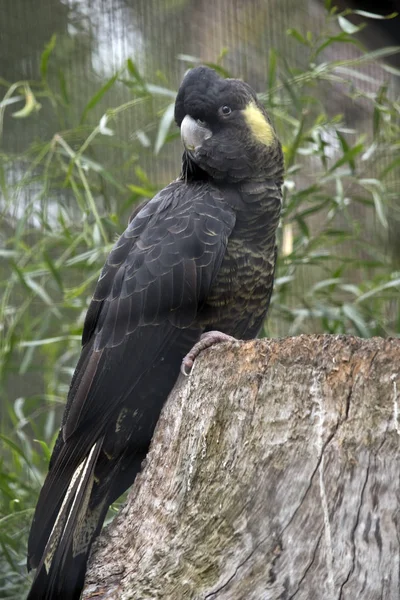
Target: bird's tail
{"x":61,"y":571}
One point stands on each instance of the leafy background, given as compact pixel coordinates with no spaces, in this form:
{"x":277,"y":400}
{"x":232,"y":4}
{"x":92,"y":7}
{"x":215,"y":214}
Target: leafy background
{"x":73,"y":165}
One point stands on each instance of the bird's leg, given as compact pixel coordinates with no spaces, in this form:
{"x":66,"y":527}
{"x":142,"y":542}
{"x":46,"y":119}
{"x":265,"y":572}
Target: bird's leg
{"x":206,"y":340}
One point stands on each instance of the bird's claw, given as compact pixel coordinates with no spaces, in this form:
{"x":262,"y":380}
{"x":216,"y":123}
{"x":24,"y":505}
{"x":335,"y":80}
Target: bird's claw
{"x":186,"y":366}
{"x":208,"y":339}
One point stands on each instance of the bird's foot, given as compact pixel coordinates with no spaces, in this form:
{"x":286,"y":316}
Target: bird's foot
{"x":206,"y":341}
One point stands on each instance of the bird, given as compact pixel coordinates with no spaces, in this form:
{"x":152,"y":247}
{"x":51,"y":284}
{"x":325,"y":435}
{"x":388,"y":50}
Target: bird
{"x":194,"y":267}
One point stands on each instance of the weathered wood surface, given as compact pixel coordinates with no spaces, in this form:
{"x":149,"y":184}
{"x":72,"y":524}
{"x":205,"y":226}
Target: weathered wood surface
{"x":274,"y":474}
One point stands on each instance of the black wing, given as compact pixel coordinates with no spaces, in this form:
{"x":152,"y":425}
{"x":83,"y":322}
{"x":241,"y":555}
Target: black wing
{"x":145,"y":305}
{"x":152,"y":286}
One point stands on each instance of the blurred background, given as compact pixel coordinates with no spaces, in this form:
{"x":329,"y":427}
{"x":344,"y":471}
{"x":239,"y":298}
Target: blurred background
{"x":87,"y":90}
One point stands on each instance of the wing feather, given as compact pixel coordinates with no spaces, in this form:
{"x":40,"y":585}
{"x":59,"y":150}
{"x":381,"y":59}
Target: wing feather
{"x":155,"y":281}
{"x":161,"y":269}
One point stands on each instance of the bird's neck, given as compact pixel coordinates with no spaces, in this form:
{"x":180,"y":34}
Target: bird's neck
{"x":191,"y":171}
{"x":256,"y":184}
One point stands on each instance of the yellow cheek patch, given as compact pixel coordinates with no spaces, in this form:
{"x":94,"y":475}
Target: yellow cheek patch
{"x":259,"y":126}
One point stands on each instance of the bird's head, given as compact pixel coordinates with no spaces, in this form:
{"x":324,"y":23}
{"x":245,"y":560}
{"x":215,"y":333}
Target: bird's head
{"x":226,"y":132}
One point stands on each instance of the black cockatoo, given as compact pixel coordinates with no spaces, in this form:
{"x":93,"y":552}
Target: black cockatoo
{"x":196,"y":259}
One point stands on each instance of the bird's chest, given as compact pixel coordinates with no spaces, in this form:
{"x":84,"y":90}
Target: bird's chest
{"x":239,"y":273}
{"x":239,"y":297}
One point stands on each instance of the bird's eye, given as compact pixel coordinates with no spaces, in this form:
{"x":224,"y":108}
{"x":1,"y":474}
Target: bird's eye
{"x":225,"y":110}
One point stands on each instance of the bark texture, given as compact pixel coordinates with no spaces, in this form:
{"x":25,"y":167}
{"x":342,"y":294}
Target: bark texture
{"x":274,"y":473}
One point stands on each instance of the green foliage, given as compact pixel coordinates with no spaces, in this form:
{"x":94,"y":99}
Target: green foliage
{"x":71,"y":197}
{"x":337,"y":273}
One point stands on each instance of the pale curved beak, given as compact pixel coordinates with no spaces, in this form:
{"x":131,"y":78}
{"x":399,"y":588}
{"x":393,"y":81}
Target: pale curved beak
{"x":193,"y":134}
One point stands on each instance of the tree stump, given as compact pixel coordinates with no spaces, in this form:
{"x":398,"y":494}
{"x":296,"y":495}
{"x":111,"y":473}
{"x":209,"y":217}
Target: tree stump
{"x":274,"y":473}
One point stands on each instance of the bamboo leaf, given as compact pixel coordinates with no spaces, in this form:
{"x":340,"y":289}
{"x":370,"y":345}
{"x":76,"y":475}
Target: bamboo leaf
{"x":160,"y":91}
{"x":134,"y":71}
{"x":369,"y":15}
{"x":98,"y":96}
{"x":165,"y":124}
{"x":63,"y":86}
{"x":347,"y":26}
{"x":104,"y":130}
{"x":41,"y":293}
{"x":14,"y":447}
{"x":44,"y":59}
{"x":141,"y":191}
{"x":347,"y":158}
{"x":272,"y":67}
{"x":31,"y":104}
{"x":294,"y":33}
{"x":351,"y":312}
{"x":46,"y":341}
{"x":380,"y":211}
{"x":11,"y":100}
{"x":45,"y":448}
{"x":53,"y":270}
{"x":380,"y":288}
{"x":143,"y":138}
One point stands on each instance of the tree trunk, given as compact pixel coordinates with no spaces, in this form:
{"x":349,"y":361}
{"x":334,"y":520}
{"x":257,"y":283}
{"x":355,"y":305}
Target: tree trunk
{"x":274,"y":473}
